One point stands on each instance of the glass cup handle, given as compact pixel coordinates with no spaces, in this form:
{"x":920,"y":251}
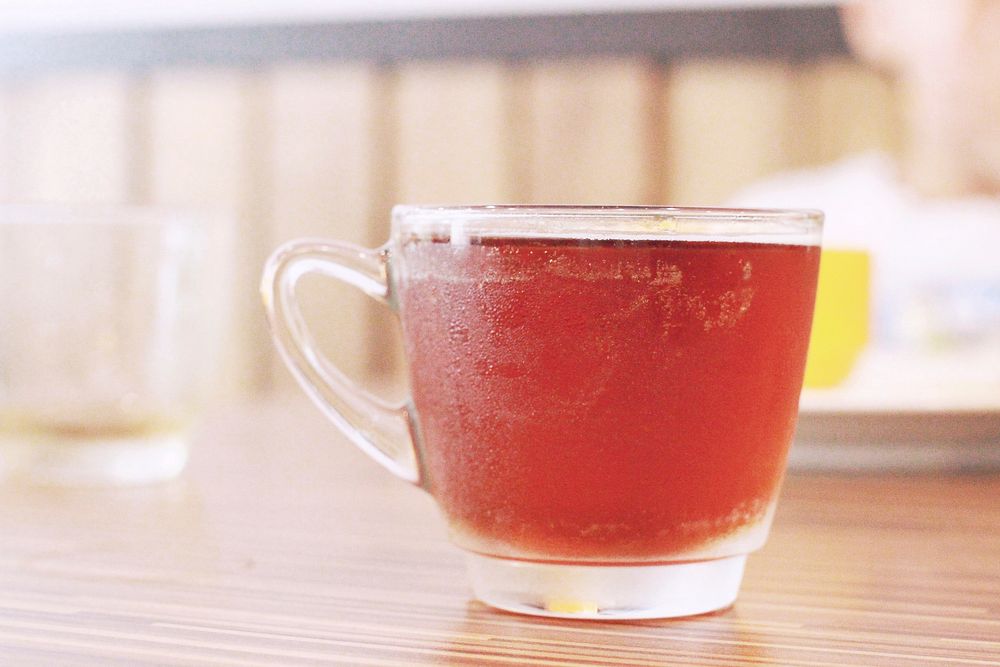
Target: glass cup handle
{"x":382,"y":430}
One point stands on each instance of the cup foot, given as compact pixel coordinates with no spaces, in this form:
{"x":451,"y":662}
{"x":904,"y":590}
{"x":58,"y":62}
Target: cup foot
{"x":97,"y":462}
{"x":606,"y":591}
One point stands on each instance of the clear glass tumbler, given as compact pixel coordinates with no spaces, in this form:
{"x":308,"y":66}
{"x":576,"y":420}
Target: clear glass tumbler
{"x":112,"y":319}
{"x":602,"y":398}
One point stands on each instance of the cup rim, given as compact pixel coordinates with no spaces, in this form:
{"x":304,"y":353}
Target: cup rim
{"x":605,"y":210}
{"x":776,"y":225}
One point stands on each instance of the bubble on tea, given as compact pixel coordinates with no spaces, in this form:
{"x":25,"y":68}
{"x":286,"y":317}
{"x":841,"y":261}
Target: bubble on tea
{"x":667,"y":274}
{"x":458,"y":330}
{"x":604,"y":530}
{"x":721,"y":312}
{"x":745,"y":513}
{"x":616,"y":269}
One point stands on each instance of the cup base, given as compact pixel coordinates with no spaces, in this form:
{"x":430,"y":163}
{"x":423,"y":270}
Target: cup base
{"x":606,"y":591}
{"x":97,"y":462}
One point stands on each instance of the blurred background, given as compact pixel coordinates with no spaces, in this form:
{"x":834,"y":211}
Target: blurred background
{"x":313,"y":119}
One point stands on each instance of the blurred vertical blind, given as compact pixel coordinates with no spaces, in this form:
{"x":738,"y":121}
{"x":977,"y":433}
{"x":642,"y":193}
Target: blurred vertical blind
{"x":325,"y":150}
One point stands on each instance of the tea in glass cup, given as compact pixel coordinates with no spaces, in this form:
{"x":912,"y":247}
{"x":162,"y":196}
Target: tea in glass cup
{"x":602,"y":398}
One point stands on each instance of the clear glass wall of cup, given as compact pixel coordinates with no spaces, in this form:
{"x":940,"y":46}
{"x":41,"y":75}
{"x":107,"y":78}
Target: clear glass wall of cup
{"x":112,"y":319}
{"x":602,"y":399}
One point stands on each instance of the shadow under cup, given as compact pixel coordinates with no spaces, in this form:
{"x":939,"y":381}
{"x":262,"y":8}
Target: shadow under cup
{"x":602,"y":398}
{"x":113,"y":317}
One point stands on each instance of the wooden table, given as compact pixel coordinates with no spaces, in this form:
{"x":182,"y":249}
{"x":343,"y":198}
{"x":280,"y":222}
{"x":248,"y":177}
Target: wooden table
{"x":283,"y":545}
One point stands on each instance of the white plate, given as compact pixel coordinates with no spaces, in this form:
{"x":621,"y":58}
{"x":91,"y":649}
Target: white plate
{"x":904,"y":413}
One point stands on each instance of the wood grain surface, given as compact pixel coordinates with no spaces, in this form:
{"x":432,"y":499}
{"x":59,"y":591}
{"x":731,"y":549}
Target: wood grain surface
{"x":282,"y":545}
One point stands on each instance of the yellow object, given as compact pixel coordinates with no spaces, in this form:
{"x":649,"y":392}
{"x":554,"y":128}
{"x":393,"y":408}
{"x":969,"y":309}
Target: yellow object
{"x":841,"y":323}
{"x":571,"y":607}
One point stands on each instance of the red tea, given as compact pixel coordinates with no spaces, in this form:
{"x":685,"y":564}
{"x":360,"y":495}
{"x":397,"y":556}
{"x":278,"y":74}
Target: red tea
{"x":605,"y":401}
